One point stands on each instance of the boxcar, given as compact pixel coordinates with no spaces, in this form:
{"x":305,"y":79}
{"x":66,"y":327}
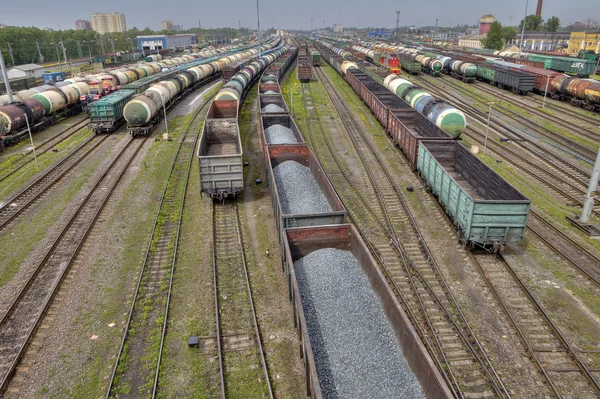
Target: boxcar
{"x":516,"y":81}
{"x":18,"y":84}
{"x":486,"y":210}
{"x":302,"y":155}
{"x":299,"y":242}
{"x":315,"y":58}
{"x":543,"y":78}
{"x":220,"y":152}
{"x":106,"y":114}
{"x":410,"y":66}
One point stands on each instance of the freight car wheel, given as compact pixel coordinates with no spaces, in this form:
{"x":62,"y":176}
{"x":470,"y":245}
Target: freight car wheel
{"x":589,"y":107}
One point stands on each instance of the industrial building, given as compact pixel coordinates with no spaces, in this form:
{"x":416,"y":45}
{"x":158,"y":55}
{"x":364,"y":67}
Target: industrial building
{"x":473,"y":41}
{"x":161,"y":42}
{"x":338,"y":28}
{"x":166,"y":25}
{"x":108,"y":23}
{"x":587,"y":41}
{"x":543,"y":41}
{"x":83,"y":24}
{"x":485,"y":23}
{"x":25,"y":70}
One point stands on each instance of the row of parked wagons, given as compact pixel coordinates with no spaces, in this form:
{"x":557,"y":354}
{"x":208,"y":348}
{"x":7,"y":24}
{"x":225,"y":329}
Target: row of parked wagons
{"x":302,"y":234}
{"x":486,"y":210}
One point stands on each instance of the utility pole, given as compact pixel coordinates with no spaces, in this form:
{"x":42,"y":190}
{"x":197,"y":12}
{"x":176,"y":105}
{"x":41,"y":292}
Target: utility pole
{"x":487,"y":128}
{"x":12,"y":59}
{"x":311,"y":25}
{"x":397,"y":25}
{"x":523,"y":30}
{"x":5,"y":78}
{"x":112,"y":42}
{"x":588,"y":203}
{"x":79,"y":49}
{"x":39,"y":51}
{"x":258,"y":23}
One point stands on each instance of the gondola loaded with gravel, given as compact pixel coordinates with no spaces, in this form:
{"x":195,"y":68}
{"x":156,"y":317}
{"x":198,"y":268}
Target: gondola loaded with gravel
{"x":302,"y":194}
{"x":356,"y":340}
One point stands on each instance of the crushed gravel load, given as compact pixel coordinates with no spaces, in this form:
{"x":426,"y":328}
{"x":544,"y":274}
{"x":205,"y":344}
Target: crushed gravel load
{"x":270,"y":92}
{"x":279,"y":134}
{"x":298,"y":190}
{"x":356,"y":352}
{"x":272,"y":108}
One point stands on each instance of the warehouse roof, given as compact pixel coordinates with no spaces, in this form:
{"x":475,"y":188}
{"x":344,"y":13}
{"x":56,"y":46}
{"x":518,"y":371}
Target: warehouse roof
{"x":472,"y":37}
{"x":27,"y":67}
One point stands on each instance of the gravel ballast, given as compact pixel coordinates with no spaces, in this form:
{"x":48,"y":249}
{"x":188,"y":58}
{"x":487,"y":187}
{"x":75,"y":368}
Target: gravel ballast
{"x":273,"y":109}
{"x":356,"y":352}
{"x":298,"y":190}
{"x":279,"y":134}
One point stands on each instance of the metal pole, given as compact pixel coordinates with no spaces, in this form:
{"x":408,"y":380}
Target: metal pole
{"x":5,"y":78}
{"x":165,"y":111}
{"x":487,"y":128}
{"x":292,"y":100}
{"x":546,"y":91}
{"x":112,"y":43}
{"x":258,"y":23}
{"x":39,"y":51}
{"x":31,"y":139}
{"x":523,"y":30}
{"x":588,"y":203}
{"x":12,"y":59}
{"x":64,"y":52}
{"x":58,"y":57}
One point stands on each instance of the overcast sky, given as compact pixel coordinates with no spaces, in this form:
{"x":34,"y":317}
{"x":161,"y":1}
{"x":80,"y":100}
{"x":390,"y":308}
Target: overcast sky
{"x":290,"y":13}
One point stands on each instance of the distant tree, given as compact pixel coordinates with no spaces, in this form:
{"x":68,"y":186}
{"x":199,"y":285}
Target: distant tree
{"x":551,"y":24}
{"x":494,"y":38}
{"x":509,"y":33}
{"x":533,"y":23}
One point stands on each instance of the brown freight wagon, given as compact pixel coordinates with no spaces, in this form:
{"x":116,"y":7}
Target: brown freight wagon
{"x":408,"y":127}
{"x":273,"y":99}
{"x":299,"y":242}
{"x":263,"y":88}
{"x":543,"y":78}
{"x":383,"y":103}
{"x":284,"y":120}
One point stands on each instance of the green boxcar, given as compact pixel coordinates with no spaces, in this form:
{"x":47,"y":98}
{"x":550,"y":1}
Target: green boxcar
{"x":315,"y":58}
{"x":485,"y":73}
{"x":18,"y":84}
{"x":106,"y":114}
{"x":576,"y":66}
{"x":486,"y":209}
{"x":412,"y":67}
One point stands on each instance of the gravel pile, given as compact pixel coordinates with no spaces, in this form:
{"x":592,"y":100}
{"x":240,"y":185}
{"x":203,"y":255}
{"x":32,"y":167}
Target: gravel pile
{"x":273,"y":108}
{"x":298,"y":190}
{"x":279,"y":134}
{"x":356,"y":352}
{"x":270,"y":92}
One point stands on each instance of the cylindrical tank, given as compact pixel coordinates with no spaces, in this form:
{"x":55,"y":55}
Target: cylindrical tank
{"x":413,"y":95}
{"x":348,"y":65}
{"x":52,"y":100}
{"x":72,"y":94}
{"x":388,"y":79}
{"x":139,"y":111}
{"x":400,"y":86}
{"x":560,"y":83}
{"x":121,"y":77}
{"x":25,"y":93}
{"x":577,"y":87}
{"x":131,"y":75}
{"x":468,"y":70}
{"x":446,"y":117}
{"x":12,"y":116}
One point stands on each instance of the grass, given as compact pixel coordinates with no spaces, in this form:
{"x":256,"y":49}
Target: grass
{"x":12,"y":183}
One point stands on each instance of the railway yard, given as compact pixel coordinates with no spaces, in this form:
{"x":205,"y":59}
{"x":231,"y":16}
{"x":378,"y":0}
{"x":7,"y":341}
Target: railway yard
{"x":318,"y":217}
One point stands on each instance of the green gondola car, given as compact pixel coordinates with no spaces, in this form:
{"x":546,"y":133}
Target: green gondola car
{"x":106,"y":114}
{"x":486,"y":210}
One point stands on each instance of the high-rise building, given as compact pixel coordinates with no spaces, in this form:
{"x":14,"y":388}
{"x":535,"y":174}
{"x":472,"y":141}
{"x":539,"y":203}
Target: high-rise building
{"x":177,"y":28}
{"x":107,"y":23}
{"x":338,"y":28}
{"x":166,"y":25}
{"x":83,"y":24}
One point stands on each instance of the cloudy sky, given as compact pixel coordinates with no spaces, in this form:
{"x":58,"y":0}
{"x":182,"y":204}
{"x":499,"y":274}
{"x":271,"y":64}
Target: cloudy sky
{"x":290,"y":14}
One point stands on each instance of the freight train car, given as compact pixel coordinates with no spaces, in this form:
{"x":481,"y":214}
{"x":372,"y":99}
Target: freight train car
{"x":516,"y":81}
{"x":220,"y":149}
{"x":486,"y":210}
{"x":106,"y":114}
{"x":304,"y":70}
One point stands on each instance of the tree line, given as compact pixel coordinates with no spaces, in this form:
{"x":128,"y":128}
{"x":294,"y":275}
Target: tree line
{"x":499,"y":35}
{"x":23,"y":42}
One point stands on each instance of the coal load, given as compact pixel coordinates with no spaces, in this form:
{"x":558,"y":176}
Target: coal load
{"x":356,"y":352}
{"x":279,"y":134}
{"x":298,"y":190}
{"x":273,"y":109}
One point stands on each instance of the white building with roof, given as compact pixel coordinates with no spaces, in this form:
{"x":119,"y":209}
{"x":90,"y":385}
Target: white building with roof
{"x":25,"y":70}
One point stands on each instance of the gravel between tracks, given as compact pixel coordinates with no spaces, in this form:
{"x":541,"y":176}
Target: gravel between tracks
{"x":298,"y":190}
{"x":272,"y":108}
{"x":279,"y":134}
{"x":356,"y":351}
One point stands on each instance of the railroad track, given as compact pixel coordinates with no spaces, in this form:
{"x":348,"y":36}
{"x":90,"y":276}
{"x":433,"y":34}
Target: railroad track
{"x":152,"y":296}
{"x":578,"y":130}
{"x":19,"y":163}
{"x":412,"y":272}
{"x":555,"y":139}
{"x":567,"y":180}
{"x":549,"y":349}
{"x":20,"y":202}
{"x":239,"y":344}
{"x":24,"y":315}
{"x":583,"y":260}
